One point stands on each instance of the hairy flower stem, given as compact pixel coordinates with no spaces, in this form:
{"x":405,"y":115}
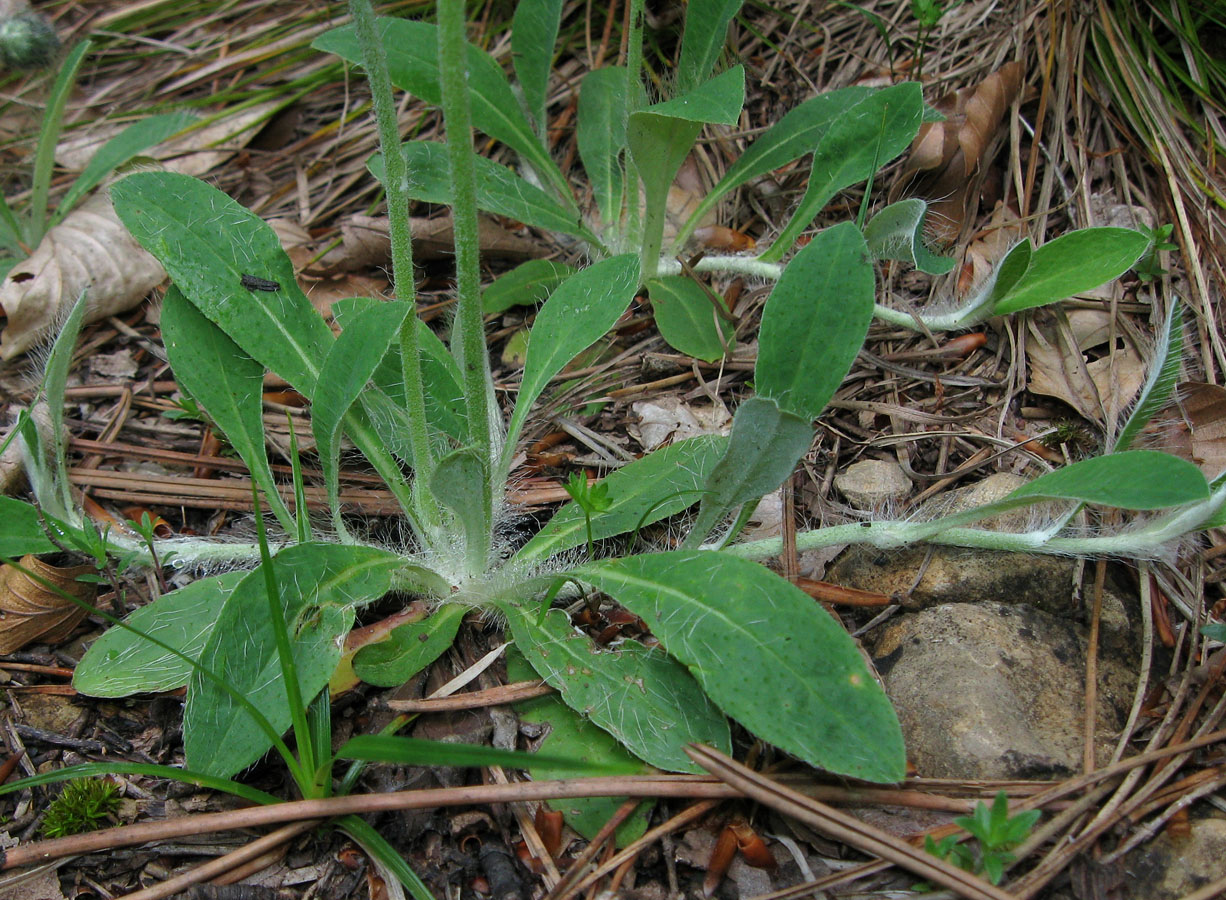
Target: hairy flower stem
{"x":396,"y":186}
{"x":468,"y":344}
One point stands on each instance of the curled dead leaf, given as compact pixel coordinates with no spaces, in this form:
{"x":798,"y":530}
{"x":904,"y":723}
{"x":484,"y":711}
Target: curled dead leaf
{"x":30,"y":611}
{"x":1078,"y":366}
{"x":948,"y":153}
{"x":89,"y":251}
{"x":1198,"y":434}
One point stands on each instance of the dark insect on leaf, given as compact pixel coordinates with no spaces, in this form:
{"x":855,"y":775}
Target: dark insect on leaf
{"x":252,"y":283}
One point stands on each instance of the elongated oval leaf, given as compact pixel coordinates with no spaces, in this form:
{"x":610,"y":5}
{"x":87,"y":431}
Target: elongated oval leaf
{"x":706,"y":30}
{"x":412,"y":63}
{"x":409,"y":648}
{"x":347,"y":368}
{"x":534,"y":31}
{"x":859,"y":142}
{"x":526,"y":285}
{"x":440,"y":377}
{"x":640,"y":696}
{"x":320,"y":584}
{"x":687,"y":319}
{"x":797,"y":133}
{"x":219,"y":375}
{"x":122,"y":662}
{"x":650,"y":489}
{"x":499,"y":190}
{"x":572,"y":737}
{"x":815,"y":322}
{"x":1133,"y":479}
{"x":207,"y":242}
{"x":765,"y":445}
{"x":600,"y":129}
{"x":1078,"y":261}
{"x":133,"y":140}
{"x":577,"y":315}
{"x":21,"y":531}
{"x":766,"y":653}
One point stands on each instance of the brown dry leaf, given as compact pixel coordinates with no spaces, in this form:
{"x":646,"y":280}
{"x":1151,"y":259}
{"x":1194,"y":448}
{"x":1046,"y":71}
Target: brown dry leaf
{"x":948,"y":153}
{"x":1201,"y":435}
{"x":90,"y":250}
{"x":203,"y":149}
{"x":670,"y":417}
{"x":1095,"y":380}
{"x":366,"y":243}
{"x":984,"y":253}
{"x":31,"y":612}
{"x":197,"y":152}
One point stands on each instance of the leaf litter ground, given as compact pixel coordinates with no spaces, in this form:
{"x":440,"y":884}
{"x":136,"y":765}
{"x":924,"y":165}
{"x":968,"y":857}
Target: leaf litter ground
{"x":943,"y":411}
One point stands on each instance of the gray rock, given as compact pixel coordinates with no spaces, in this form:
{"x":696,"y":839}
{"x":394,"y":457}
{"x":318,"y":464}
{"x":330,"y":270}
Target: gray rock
{"x":992,"y":690}
{"x":873,"y":483}
{"x":1171,"y":867}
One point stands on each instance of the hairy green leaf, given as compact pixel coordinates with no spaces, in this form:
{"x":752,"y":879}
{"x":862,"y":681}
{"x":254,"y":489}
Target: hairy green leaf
{"x":650,"y":489}
{"x":1132,"y":479}
{"x":347,"y":368}
{"x":600,"y":129}
{"x":766,"y":653}
{"x":897,"y":232}
{"x":687,"y":319}
{"x":765,"y":445}
{"x":640,"y":696}
{"x":527,"y":284}
{"x":797,"y":133}
{"x":815,"y":322}
{"x":573,"y":737}
{"x":1162,"y":377}
{"x":579,"y":313}
{"x":1074,"y":262}
{"x":412,"y":62}
{"x":320,"y":585}
{"x":207,"y":242}
{"x":122,"y":662}
{"x":861,"y":140}
{"x":534,"y":31}
{"x":706,"y":30}
{"x":132,"y":141}
{"x":499,"y":190}
{"x":228,"y":383}
{"x":409,"y":648}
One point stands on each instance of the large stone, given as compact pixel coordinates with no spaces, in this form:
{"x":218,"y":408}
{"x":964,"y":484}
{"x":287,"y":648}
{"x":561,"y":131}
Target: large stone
{"x":993,"y":690}
{"x":1171,"y":867}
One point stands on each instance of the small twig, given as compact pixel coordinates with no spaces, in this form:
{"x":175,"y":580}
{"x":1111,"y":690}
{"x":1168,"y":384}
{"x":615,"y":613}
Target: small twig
{"x":223,"y":865}
{"x":495,"y":696}
{"x":843,"y":827}
{"x":291,"y":811}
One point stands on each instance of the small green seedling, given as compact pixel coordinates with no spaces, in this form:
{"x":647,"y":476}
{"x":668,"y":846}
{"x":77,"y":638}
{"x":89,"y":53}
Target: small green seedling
{"x":592,"y":498}
{"x":83,"y":805}
{"x":1147,"y":267}
{"x":996,"y":833}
